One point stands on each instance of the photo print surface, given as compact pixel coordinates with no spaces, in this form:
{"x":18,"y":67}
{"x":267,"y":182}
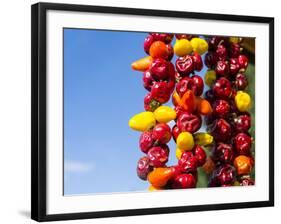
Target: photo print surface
{"x":156,"y":111}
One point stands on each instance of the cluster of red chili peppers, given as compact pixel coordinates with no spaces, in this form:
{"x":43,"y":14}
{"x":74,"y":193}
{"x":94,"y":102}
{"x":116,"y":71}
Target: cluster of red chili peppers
{"x":225,"y":109}
{"x":230,"y":121}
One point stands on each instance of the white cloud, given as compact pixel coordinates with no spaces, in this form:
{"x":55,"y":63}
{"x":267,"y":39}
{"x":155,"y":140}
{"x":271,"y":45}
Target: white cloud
{"x":77,"y":166}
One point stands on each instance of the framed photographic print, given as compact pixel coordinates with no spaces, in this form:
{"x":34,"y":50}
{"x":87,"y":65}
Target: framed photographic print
{"x":138,"y":111}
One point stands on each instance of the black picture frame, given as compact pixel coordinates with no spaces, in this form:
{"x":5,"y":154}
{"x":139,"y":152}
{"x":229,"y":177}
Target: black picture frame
{"x":38,"y":108}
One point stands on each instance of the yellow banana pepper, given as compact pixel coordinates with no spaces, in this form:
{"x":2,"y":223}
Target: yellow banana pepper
{"x":142,"y":121}
{"x":165,"y":114}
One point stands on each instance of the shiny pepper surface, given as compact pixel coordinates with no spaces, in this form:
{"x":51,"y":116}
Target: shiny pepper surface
{"x":164,"y":114}
{"x":142,"y":64}
{"x":242,"y":101}
{"x":185,"y":141}
{"x":188,"y":101}
{"x":142,"y":121}
{"x":160,"y":176}
{"x":243,"y":165}
{"x":182,"y":47}
{"x":199,"y":45}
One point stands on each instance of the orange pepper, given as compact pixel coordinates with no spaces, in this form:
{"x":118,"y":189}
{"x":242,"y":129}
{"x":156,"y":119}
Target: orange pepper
{"x":176,"y":98}
{"x":152,"y":188}
{"x":142,"y":64}
{"x":203,"y":106}
{"x":160,"y":176}
{"x":243,"y":164}
{"x":158,"y":49}
{"x":188,"y":101}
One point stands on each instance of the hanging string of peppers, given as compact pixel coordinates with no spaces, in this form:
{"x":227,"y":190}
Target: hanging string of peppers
{"x":229,"y":158}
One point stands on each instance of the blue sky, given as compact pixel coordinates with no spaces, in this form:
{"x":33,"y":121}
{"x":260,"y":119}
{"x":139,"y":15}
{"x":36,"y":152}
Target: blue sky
{"x":101,"y":93}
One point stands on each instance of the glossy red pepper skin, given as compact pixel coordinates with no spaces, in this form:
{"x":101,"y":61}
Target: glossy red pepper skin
{"x":243,"y":61}
{"x":182,"y":86}
{"x":147,"y":43}
{"x":170,"y":52}
{"x":200,"y":155}
{"x":223,"y":153}
{"x":161,"y":133}
{"x":242,"y":123}
{"x":222,"y":88}
{"x":189,"y":122}
{"x":223,"y":175}
{"x":160,"y":91}
{"x":198,"y":63}
{"x":243,"y":143}
{"x":146,"y":141}
{"x":221,"y":130}
{"x":143,"y":168}
{"x":185,"y":65}
{"x":150,"y":104}
{"x":184,"y":181}
{"x":188,"y":162}
{"x":196,"y":84}
{"x":160,"y":69}
{"x":158,"y":155}
{"x":165,"y":37}
{"x":241,"y":81}
{"x":221,"y":108}
{"x":234,"y":66}
{"x":147,"y":80}
{"x":222,"y":68}
{"x":175,"y":132}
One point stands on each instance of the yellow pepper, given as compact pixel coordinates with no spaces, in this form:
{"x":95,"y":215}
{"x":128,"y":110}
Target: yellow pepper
{"x":210,"y":77}
{"x":182,"y":47}
{"x":165,"y":114}
{"x":185,"y":141}
{"x":235,"y":40}
{"x":199,"y":45}
{"x":142,"y":121}
{"x":242,"y":101}
{"x":178,"y":153}
{"x":203,"y":139}
{"x":236,"y":183}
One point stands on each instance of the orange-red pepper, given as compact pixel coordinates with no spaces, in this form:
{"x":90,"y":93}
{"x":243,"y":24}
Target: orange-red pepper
{"x":243,"y":164}
{"x":189,"y":102}
{"x":142,"y":64}
{"x":160,"y":176}
{"x":203,"y":106}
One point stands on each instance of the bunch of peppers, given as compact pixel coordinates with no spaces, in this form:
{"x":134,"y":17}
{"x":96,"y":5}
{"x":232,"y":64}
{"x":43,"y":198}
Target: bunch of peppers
{"x":162,"y":80}
{"x":230,"y":121}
